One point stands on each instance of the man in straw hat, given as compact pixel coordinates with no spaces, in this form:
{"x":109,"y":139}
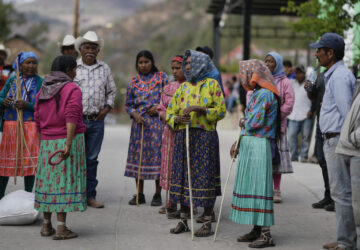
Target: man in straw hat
{"x":98,"y":88}
{"x":67,"y":47}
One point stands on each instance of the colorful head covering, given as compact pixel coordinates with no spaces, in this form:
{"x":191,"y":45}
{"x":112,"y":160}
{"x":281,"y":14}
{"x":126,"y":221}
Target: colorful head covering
{"x":23,"y":56}
{"x":200,"y":67}
{"x":177,"y":59}
{"x":279,"y":69}
{"x":255,"y":72}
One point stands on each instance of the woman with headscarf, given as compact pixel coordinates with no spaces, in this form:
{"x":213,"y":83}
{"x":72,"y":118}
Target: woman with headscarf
{"x":142,"y":100}
{"x":281,"y":160}
{"x":252,"y":202}
{"x":168,"y":137}
{"x":60,"y":188}
{"x":27,"y":158}
{"x":200,"y":103}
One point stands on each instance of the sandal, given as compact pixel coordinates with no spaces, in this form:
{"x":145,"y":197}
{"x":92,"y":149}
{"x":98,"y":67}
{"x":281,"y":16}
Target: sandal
{"x":65,"y":234}
{"x":181,"y":227}
{"x":47,"y":231}
{"x":250,"y":237}
{"x":265,"y":240}
{"x":204,"y":230}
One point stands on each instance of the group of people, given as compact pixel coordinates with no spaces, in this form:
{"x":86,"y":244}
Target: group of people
{"x":174,"y":139}
{"x":53,"y":129}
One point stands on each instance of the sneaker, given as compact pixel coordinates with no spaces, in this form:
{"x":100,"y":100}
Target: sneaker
{"x":132,"y":202}
{"x":304,"y":160}
{"x":313,"y":159}
{"x":330,"y":207}
{"x":277,"y":196}
{"x":156,"y":201}
{"x":322,"y":204}
{"x":265,"y":240}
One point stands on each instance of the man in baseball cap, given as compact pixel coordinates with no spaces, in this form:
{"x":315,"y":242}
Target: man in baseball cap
{"x":336,"y":103}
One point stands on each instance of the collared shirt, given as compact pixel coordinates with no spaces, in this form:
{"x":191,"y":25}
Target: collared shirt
{"x":339,"y":87}
{"x":97,"y":86}
{"x":302,"y":104}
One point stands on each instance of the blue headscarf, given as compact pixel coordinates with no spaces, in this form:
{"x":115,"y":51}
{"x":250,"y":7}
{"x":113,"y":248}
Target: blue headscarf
{"x":23,"y":56}
{"x":201,"y":66}
{"x":279,"y":69}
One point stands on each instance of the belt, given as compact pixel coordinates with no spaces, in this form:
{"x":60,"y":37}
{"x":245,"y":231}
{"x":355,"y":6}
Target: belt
{"x":91,"y":117}
{"x":330,"y":135}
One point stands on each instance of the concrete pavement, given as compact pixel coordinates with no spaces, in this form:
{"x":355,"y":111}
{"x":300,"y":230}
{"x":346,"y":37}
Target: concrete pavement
{"x":120,"y":226}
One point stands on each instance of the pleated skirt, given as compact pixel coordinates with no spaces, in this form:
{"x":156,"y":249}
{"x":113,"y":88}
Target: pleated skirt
{"x":204,"y":168}
{"x":252,"y":201}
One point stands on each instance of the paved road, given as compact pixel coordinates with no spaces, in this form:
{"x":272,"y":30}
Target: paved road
{"x":119,"y":226}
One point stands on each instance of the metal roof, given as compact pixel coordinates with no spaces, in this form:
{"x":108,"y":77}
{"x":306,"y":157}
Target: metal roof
{"x":258,"y":7}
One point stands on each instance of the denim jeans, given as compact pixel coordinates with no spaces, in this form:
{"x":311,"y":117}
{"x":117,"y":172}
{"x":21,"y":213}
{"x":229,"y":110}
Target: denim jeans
{"x":295,"y":127}
{"x":319,"y":153}
{"x":344,"y":179}
{"x":94,"y":136}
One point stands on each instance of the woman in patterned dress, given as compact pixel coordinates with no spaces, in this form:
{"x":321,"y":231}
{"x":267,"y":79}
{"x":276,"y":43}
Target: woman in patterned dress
{"x":168,"y":136}
{"x":30,"y":85}
{"x":142,"y":100}
{"x":252,"y":202}
{"x":60,"y":188}
{"x":200,"y":103}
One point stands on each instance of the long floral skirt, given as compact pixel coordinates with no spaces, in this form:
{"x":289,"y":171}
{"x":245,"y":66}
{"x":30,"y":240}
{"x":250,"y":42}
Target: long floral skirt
{"x":151,"y":150}
{"x":61,"y":188}
{"x":26,"y":166}
{"x":204,"y":167}
{"x":252,"y":201}
{"x":167,"y":152}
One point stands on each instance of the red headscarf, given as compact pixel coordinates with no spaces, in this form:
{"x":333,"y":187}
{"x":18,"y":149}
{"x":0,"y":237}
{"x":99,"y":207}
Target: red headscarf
{"x":177,"y":59}
{"x":255,"y":72}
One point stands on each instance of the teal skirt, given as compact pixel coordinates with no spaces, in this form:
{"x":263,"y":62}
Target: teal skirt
{"x":252,"y":201}
{"x":61,"y":188}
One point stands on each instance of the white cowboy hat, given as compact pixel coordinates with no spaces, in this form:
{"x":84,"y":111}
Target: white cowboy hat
{"x":6,"y":50}
{"x":89,"y":37}
{"x":67,"y":41}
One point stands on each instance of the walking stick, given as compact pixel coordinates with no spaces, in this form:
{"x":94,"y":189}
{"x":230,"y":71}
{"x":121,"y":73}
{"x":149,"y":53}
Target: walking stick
{"x":19,"y":122}
{"x":189,"y":181}
{"x":167,"y":173}
{"x":223,"y":195}
{"x":139,"y":170}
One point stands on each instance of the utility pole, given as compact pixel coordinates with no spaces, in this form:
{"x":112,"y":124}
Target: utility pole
{"x":76,"y":19}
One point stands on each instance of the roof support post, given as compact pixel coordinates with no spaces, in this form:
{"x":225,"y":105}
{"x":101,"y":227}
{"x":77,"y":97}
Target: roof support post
{"x":216,"y":39}
{"x":247,"y":28}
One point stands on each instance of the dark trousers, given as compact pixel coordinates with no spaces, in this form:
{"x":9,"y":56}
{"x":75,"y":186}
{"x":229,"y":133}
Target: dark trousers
{"x":94,"y":136}
{"x":319,"y":152}
{"x":28,"y":183}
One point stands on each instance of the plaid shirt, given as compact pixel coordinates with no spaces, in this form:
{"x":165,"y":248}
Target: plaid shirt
{"x":97,"y":86}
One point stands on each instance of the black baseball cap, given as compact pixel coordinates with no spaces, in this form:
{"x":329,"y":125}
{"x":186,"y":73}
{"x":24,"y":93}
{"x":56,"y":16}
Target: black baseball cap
{"x":331,"y":41}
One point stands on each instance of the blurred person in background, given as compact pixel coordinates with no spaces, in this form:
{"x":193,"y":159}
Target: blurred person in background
{"x":281,"y":156}
{"x":301,"y":118}
{"x":67,"y":47}
{"x":288,"y":69}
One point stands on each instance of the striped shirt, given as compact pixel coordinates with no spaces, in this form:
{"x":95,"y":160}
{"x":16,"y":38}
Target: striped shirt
{"x":97,"y":86}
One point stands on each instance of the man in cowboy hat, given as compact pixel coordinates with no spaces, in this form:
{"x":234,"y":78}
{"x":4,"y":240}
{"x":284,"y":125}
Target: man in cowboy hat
{"x":67,"y":47}
{"x":98,"y":88}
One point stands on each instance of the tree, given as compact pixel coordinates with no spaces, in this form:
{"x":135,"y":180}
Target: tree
{"x":320,"y":16}
{"x":8,"y":16}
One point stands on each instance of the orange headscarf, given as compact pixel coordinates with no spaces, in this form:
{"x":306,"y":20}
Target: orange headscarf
{"x":255,"y":72}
